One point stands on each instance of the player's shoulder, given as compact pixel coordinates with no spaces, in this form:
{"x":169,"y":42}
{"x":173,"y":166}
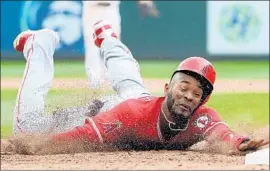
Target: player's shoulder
{"x":141,"y":101}
{"x":147,"y":105}
{"x":145,"y":100}
{"x":206,"y":109}
{"x":207,"y":113}
{"x":203,"y":118}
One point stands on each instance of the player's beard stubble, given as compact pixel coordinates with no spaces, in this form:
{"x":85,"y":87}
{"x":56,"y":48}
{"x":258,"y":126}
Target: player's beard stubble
{"x":177,"y":115}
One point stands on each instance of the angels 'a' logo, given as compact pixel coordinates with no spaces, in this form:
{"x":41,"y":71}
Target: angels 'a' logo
{"x":109,"y":127}
{"x":202,"y":121}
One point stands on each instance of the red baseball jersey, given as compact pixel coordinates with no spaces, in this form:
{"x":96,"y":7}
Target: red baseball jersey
{"x":135,"y":123}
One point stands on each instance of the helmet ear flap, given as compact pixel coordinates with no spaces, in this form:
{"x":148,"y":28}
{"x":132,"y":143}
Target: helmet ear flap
{"x":206,"y":100}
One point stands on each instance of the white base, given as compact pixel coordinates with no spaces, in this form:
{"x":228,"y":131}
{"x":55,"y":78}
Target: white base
{"x":258,"y":157}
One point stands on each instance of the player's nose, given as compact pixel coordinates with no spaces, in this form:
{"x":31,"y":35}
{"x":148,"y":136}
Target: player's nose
{"x":189,"y":96}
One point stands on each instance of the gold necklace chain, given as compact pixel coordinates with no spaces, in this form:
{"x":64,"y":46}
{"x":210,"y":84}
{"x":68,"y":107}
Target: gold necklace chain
{"x":170,"y":122}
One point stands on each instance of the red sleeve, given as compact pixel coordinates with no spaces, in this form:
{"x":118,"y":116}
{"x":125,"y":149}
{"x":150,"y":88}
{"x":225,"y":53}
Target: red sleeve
{"x":104,"y":127}
{"x":219,"y":130}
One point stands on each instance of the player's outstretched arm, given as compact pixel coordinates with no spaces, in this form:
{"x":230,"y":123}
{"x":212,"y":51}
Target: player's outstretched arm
{"x":224,"y":140}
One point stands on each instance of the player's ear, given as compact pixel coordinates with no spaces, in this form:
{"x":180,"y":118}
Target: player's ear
{"x":166,"y":89}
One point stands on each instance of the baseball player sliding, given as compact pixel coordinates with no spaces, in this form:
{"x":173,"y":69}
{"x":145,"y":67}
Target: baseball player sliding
{"x":177,"y":120}
{"x":94,"y":11}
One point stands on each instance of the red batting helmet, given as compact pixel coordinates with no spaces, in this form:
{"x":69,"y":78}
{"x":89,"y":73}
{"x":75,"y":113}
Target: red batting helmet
{"x":202,"y":70}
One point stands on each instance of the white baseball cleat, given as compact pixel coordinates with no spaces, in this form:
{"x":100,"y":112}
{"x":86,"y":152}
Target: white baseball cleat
{"x":102,"y":29}
{"x":20,"y":41}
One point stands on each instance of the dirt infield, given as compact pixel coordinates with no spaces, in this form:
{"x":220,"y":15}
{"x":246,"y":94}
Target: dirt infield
{"x":151,"y":160}
{"x":195,"y":159}
{"x":156,"y":85}
{"x":138,"y":160}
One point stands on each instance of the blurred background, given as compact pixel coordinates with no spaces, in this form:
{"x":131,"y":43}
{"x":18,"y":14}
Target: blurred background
{"x":233,"y":35}
{"x":216,"y":30}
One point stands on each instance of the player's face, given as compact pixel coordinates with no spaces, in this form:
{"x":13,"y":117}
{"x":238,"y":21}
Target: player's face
{"x":183,"y":96}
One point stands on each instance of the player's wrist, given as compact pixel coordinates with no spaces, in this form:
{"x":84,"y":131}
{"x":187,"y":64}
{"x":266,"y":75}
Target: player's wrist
{"x":241,"y":140}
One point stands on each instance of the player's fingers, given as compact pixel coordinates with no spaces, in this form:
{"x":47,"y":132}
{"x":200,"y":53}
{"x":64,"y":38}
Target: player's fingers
{"x":258,"y":145}
{"x":257,"y":142}
{"x":264,"y":143}
{"x":252,"y":143}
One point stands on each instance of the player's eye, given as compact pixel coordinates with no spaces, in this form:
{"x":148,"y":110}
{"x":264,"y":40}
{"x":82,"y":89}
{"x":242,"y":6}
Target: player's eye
{"x":183,"y":89}
{"x":197,"y":95}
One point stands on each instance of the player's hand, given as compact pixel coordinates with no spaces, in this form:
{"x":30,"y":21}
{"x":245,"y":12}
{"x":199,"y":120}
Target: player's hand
{"x":249,"y":146}
{"x":94,"y":107}
{"x":148,"y":8}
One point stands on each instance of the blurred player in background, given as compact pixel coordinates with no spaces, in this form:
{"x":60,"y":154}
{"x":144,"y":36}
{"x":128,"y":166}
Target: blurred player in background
{"x":94,"y":11}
